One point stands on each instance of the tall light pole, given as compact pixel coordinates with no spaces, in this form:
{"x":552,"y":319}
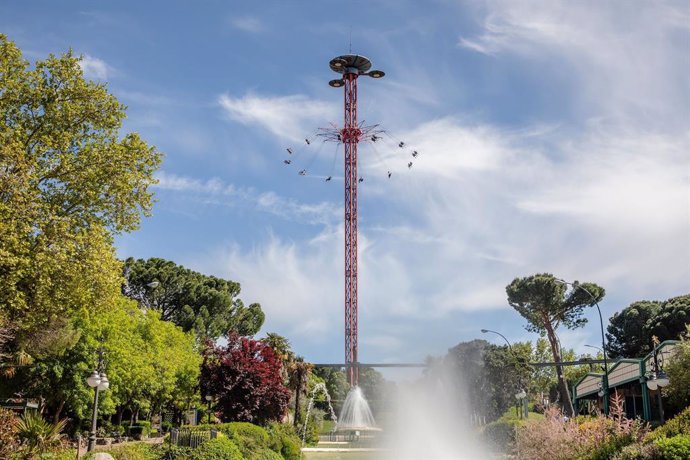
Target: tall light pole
{"x":605,"y":379}
{"x":521,"y":395}
{"x":99,"y":382}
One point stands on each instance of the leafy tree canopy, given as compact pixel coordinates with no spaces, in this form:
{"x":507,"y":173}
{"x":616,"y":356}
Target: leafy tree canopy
{"x":546,"y":304}
{"x":150,"y":364}
{"x":630,"y":330}
{"x":207,"y":305}
{"x":68,"y":180}
{"x":245,"y":379}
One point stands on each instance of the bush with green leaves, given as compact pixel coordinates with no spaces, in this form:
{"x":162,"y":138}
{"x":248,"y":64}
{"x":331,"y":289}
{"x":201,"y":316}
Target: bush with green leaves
{"x":674,"y":448}
{"x":221,"y":448}
{"x":133,"y":451}
{"x":680,"y":424}
{"x":284,"y":439}
{"x":499,"y":435}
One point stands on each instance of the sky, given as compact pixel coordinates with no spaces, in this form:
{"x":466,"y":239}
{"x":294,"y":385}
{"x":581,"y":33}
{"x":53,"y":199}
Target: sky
{"x":552,"y":137}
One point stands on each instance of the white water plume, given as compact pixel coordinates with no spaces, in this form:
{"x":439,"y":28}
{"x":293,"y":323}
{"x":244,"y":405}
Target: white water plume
{"x":356,"y":414}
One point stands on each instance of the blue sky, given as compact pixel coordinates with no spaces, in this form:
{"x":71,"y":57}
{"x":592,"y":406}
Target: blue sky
{"x":553,"y":137}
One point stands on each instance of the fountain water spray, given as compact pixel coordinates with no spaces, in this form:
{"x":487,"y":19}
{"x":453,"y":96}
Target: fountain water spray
{"x":356,"y":414}
{"x":319,"y":387}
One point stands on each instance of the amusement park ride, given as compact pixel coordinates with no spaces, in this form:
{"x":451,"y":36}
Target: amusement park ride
{"x":350,"y":67}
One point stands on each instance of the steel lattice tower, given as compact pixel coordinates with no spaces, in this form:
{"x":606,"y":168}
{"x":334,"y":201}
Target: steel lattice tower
{"x":351,"y":67}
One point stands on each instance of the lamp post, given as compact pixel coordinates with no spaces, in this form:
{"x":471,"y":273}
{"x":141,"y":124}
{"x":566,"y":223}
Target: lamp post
{"x":521,"y":395}
{"x":657,"y":379}
{"x":99,"y":382}
{"x":603,"y":341}
{"x":208,"y":399}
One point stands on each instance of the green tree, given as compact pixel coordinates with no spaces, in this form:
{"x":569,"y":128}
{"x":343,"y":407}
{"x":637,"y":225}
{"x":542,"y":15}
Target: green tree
{"x":207,"y":305}
{"x":543,"y":301}
{"x":627,"y":333}
{"x":68,"y":180}
{"x":150,"y":363}
{"x":630,"y":329}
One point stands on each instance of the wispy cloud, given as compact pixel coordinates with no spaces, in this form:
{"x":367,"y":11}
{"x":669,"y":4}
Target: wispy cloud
{"x":325,"y":213}
{"x":288,"y":117}
{"x":624,"y":61}
{"x":94,"y":68}
{"x":248,"y":24}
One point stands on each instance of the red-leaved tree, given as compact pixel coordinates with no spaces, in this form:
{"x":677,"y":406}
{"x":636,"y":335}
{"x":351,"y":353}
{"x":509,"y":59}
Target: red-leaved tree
{"x":245,"y":381}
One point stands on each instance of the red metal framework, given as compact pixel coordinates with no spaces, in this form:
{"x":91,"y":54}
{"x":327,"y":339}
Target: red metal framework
{"x":351,"y":67}
{"x":350,"y":135}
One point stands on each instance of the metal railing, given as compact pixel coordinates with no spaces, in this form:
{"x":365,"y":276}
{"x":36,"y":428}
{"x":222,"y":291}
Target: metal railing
{"x":186,"y":437}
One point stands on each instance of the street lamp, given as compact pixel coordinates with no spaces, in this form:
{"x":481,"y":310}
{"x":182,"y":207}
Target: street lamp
{"x":657,"y":379}
{"x":603,"y":341}
{"x":208,"y":399}
{"x":521,"y":395}
{"x":99,"y":382}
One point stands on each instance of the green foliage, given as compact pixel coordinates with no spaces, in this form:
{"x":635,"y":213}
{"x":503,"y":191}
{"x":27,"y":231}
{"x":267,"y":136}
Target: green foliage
{"x":637,"y":451}
{"x":675,"y":448}
{"x":627,"y":333}
{"x":630,"y":330}
{"x":499,"y":435}
{"x":132,"y":451}
{"x":204,"y":304}
{"x":38,"y":436}
{"x":546,"y":305}
{"x":72,"y":180}
{"x":217,"y":449}
{"x":678,"y":369}
{"x":284,"y":439}
{"x":264,"y":454}
{"x":680,"y":424}
{"x":149,"y":363}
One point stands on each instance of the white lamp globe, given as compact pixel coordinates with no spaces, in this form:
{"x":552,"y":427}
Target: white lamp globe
{"x":93,"y":380}
{"x":652,"y":383}
{"x":662,"y":379}
{"x":521,"y":394}
{"x":104,"y":384}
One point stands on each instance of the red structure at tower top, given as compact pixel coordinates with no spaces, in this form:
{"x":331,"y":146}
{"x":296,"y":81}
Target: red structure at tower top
{"x":351,"y":66}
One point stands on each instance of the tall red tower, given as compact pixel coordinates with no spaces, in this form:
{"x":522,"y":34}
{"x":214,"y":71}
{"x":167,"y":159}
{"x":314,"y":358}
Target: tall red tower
{"x":351,"y":67}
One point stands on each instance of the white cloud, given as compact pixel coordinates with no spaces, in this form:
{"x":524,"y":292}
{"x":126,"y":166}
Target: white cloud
{"x":94,"y":68}
{"x":324,"y":212}
{"x":624,"y":62}
{"x":289,"y":117}
{"x":247,"y":24}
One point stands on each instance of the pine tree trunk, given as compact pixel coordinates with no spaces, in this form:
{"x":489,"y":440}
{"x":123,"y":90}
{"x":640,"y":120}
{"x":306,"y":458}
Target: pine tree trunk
{"x":566,"y":401}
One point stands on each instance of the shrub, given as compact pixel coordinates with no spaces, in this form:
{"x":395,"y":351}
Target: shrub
{"x":499,"y":435}
{"x":586,"y":438}
{"x":37,"y":435}
{"x":674,"y":448}
{"x":283,"y":439}
{"x":146,"y":427}
{"x":638,"y":451}
{"x":680,"y":424}
{"x":264,"y":454}
{"x":137,"y":432}
{"x":133,"y":451}
{"x":217,"y":449}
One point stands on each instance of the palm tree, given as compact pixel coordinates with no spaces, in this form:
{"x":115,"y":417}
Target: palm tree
{"x":298,"y":371}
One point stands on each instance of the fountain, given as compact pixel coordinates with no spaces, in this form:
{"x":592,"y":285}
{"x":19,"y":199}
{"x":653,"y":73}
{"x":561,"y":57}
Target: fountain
{"x":319,"y":387}
{"x":356,"y":415}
